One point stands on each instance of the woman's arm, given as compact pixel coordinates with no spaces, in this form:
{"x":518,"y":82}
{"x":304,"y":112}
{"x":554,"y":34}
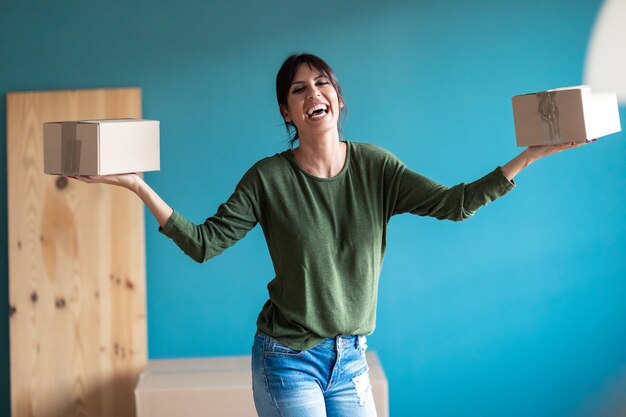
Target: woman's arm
{"x":133,"y":182}
{"x":533,"y":153}
{"x":201,"y":242}
{"x":419,"y":195}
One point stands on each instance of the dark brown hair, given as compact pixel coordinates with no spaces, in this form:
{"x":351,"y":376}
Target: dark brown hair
{"x":285,"y":77}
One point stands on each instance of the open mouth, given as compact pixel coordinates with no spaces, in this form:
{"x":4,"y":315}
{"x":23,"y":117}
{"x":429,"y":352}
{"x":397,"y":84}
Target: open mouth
{"x":318,"y":111}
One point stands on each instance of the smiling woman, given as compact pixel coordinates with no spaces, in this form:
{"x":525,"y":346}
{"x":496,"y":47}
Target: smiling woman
{"x":324,"y":208}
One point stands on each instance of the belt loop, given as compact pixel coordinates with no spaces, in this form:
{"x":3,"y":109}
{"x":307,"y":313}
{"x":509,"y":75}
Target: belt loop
{"x":343,"y":342}
{"x":362,"y":342}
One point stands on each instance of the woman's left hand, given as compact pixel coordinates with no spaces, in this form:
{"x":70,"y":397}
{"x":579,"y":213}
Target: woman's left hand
{"x":538,"y":152}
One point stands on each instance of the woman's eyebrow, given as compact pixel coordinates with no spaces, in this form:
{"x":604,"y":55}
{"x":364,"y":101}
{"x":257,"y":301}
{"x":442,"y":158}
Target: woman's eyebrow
{"x":315,"y":79}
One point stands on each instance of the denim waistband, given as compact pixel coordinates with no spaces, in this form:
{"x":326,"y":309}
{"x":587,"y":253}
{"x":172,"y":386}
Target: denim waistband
{"x":338,"y":342}
{"x":343,"y":342}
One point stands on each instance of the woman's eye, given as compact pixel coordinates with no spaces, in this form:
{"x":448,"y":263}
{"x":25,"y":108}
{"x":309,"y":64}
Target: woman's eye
{"x":297,"y":90}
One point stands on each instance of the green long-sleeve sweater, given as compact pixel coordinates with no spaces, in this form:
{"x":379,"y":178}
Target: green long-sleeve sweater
{"x":326,"y":236}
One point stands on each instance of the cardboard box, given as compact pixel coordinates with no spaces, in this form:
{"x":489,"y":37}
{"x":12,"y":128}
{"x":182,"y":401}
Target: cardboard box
{"x":101,"y":147}
{"x":217,"y":387}
{"x":569,"y":114}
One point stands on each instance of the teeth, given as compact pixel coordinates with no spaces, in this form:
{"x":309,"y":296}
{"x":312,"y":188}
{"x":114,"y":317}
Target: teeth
{"x":317,"y":107}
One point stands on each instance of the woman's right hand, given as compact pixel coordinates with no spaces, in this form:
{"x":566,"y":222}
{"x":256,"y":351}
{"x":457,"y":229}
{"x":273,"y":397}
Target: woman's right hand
{"x":129,"y":181}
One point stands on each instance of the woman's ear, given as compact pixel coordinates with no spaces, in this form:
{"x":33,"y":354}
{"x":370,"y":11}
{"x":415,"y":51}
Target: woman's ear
{"x":341,"y":105}
{"x":285,"y":113}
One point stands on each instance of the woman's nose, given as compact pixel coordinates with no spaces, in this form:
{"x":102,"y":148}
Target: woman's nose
{"x":313,"y":92}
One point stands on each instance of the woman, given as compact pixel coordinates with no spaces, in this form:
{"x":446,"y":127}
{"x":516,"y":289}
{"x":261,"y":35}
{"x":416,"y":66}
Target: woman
{"x":324,"y":208}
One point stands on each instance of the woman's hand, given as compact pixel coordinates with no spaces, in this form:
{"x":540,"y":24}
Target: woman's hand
{"x":538,"y":152}
{"x":128,"y":181}
{"x":533,"y":153}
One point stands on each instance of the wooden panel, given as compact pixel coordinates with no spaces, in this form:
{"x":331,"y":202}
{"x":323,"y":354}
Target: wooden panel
{"x":76,"y":269}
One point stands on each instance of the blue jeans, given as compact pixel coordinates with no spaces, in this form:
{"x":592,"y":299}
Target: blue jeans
{"x":330,"y":379}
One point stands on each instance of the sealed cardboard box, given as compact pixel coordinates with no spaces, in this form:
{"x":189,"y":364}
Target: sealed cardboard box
{"x":217,"y":387}
{"x":569,"y":114}
{"x":101,"y":147}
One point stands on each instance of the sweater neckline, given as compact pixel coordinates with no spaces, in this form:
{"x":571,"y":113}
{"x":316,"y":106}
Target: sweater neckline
{"x":289,"y":154}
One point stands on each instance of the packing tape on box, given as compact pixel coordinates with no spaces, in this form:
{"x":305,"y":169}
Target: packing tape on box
{"x":70,"y":148}
{"x":549,"y":112}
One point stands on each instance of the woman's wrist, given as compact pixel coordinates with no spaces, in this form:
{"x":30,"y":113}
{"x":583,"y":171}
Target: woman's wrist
{"x":529,"y":156}
{"x":136,"y":184}
{"x":517,"y":164}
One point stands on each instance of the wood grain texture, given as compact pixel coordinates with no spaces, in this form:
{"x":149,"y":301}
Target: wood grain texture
{"x":76,"y":269}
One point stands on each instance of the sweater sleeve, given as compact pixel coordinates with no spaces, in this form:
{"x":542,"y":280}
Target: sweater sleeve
{"x":232,"y":221}
{"x":419,"y":195}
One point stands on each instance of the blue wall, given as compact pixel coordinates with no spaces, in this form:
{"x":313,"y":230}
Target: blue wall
{"x":519,"y":311}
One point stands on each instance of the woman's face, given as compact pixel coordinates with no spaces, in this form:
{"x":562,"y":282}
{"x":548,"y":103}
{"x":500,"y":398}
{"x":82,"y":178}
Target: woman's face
{"x":312,"y":103}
